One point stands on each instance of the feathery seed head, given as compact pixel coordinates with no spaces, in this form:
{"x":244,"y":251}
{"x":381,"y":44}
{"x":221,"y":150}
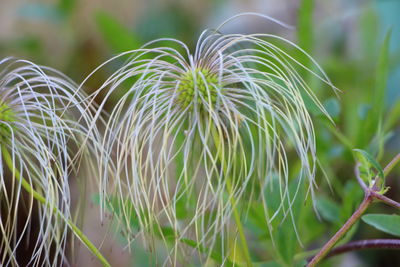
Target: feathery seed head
{"x":197,"y":133}
{"x":41,"y":122}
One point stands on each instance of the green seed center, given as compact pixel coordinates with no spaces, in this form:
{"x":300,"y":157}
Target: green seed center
{"x":6,"y":116}
{"x":198,"y":85}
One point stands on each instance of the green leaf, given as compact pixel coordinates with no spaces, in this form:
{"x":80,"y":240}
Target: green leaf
{"x":119,"y":207}
{"x":256,"y":221}
{"x":67,"y":6}
{"x":352,"y":195}
{"x":285,"y":235}
{"x":368,"y":160}
{"x":213,"y":254}
{"x":269,"y":264}
{"x":182,"y":207}
{"x":364,"y":110}
{"x":305,"y":35}
{"x":305,"y":25}
{"x":393,"y":117}
{"x":380,"y":91}
{"x":382,"y":73}
{"x":164,"y":232}
{"x":117,"y":37}
{"x":387,"y":223}
{"x":369,"y":30}
{"x":328,"y":209}
{"x":332,"y":106}
{"x":273,"y":198}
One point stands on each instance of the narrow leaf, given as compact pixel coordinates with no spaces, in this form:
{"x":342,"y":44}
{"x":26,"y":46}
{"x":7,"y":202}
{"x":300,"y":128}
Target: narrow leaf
{"x":387,"y":223}
{"x":328,"y":209}
{"x":305,"y":24}
{"x":370,"y":159}
{"x":332,"y":106}
{"x":213,"y":254}
{"x":380,"y":91}
{"x":116,"y":35}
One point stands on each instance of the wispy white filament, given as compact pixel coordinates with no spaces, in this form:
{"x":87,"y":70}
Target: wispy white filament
{"x":164,"y":157}
{"x":42,"y":134}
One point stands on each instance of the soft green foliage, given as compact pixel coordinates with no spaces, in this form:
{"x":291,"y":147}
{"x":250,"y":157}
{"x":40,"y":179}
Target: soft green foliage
{"x":368,"y":163}
{"x":115,"y":35}
{"x":378,"y":96}
{"x":387,"y":223}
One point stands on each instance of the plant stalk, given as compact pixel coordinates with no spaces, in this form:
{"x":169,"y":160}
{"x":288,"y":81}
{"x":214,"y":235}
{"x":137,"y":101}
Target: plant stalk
{"x":391,"y":164}
{"x":27,"y":186}
{"x":342,"y":231}
{"x":242,"y":236}
{"x":365,"y":244}
{"x":386,"y":200}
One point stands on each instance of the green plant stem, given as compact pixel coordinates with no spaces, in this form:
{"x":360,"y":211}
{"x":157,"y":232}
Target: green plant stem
{"x":391,"y":164}
{"x":386,"y":200}
{"x":27,"y":186}
{"x":239,"y":224}
{"x":242,"y":237}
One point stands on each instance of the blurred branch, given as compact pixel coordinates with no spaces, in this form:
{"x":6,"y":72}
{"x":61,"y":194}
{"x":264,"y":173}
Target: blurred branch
{"x":366,"y":244}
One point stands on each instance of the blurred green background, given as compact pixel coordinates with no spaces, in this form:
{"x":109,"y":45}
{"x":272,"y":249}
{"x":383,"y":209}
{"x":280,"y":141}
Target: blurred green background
{"x":346,"y":37}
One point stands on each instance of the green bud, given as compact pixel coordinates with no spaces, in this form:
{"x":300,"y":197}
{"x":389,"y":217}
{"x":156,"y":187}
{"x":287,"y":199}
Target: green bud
{"x":201,"y":80}
{"x":6,"y":116}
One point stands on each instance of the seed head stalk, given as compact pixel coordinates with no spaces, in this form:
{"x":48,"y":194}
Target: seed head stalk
{"x":243,"y":242}
{"x":342,"y":231}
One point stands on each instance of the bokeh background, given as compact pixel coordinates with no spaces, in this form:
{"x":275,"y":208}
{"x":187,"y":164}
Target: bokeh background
{"x":344,"y":36}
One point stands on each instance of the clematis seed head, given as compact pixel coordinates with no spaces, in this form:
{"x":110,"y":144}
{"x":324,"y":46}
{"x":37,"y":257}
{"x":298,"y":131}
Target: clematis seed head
{"x":197,"y":132}
{"x":44,"y":122}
